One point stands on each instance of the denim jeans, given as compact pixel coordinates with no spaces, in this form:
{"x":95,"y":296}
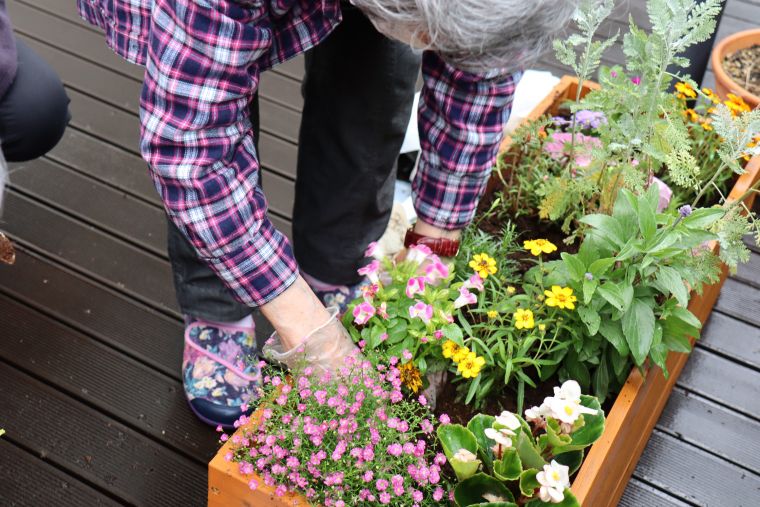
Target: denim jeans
{"x":358,"y":93}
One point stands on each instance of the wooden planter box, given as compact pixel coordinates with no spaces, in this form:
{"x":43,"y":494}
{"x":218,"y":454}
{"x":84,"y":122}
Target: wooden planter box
{"x":602,"y":478}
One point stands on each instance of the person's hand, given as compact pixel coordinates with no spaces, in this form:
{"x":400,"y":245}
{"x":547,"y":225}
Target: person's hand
{"x":306,"y":331}
{"x":324,"y":349}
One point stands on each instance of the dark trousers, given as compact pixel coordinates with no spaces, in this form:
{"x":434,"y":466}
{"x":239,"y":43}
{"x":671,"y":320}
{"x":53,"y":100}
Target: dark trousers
{"x":358,"y":93}
{"x":34,"y":111}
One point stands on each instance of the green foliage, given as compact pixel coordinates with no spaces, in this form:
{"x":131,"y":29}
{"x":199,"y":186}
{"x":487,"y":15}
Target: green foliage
{"x":640,"y":265}
{"x":522,"y":449}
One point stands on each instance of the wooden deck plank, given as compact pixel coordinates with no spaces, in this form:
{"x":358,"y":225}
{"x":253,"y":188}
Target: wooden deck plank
{"x":119,"y":321}
{"x":732,"y":338}
{"x":640,"y":494}
{"x":28,"y":480}
{"x":723,"y":381}
{"x":695,"y":475}
{"x":104,"y":258}
{"x":113,"y":212}
{"x":95,"y":374}
{"x":91,"y":445}
{"x":740,"y":301}
{"x":713,"y":428}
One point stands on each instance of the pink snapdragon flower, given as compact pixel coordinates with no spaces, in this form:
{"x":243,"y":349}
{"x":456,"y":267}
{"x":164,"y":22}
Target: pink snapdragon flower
{"x":421,"y":310}
{"x":371,"y":271}
{"x":465,"y":298}
{"x":418,"y":253}
{"x":436,"y":270}
{"x":474,"y":282}
{"x":363,"y":312}
{"x":371,"y":249}
{"x":415,"y":285}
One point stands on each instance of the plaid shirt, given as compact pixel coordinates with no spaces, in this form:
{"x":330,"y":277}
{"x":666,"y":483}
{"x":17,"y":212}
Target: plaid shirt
{"x":203,"y":60}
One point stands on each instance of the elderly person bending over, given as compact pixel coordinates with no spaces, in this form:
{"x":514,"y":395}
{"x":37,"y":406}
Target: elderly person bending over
{"x":199,"y":116}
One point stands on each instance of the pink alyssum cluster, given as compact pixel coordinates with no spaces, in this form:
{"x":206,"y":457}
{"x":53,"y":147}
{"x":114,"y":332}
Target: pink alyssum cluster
{"x":342,"y":440}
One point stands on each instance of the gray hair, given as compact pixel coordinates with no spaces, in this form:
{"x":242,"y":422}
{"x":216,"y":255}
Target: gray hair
{"x":478,"y":35}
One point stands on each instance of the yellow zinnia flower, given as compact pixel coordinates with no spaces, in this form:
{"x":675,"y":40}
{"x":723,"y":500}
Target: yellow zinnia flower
{"x":449,"y":349}
{"x":524,"y":319}
{"x":492,"y":314}
{"x":461,"y":353}
{"x":561,"y":297}
{"x":539,"y":246}
{"x":542,"y":327}
{"x":470,"y":366}
{"x":685,"y":90}
{"x":511,"y":290}
{"x":483,"y":265}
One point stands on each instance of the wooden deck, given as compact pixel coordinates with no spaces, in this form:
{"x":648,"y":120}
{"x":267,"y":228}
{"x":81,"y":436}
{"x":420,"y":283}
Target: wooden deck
{"x":90,"y":335}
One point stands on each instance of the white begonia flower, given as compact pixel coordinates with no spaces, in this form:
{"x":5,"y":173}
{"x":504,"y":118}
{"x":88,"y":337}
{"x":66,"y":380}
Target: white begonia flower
{"x":509,"y":420}
{"x":567,"y":411}
{"x":570,"y":390}
{"x":464,"y":456}
{"x":536,"y":413}
{"x":501,"y":437}
{"x":554,"y":479}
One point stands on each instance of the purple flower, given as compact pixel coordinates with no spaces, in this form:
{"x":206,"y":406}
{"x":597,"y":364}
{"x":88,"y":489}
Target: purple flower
{"x":636,"y":80}
{"x":475,"y":282}
{"x":613,"y":73}
{"x":371,"y":249}
{"x":395,"y":449}
{"x":590,"y":119}
{"x":589,"y":276}
{"x":665,"y":194}
{"x":445,"y":419}
{"x":381,"y":484}
{"x":684,"y":210}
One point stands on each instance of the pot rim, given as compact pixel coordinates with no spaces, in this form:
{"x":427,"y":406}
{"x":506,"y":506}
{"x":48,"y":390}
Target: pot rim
{"x":752,"y":37}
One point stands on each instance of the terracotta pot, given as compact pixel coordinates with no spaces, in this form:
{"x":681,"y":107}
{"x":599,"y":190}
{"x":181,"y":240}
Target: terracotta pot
{"x":724,"y":84}
{"x":608,"y":466}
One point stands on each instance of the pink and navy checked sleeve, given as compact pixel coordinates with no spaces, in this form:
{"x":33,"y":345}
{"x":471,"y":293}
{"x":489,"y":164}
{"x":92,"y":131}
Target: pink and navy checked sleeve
{"x":461,"y":123}
{"x":201,"y":72}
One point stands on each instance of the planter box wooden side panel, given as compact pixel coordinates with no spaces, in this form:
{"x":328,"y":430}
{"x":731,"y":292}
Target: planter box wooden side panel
{"x":227,"y":487}
{"x":610,"y":463}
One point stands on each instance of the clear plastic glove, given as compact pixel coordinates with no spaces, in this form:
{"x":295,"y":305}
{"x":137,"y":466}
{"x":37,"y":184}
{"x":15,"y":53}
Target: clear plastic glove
{"x":323,"y":349}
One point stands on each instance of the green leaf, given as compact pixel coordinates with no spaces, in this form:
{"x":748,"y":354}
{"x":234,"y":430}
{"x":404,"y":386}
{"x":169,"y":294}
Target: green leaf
{"x":528,"y":482}
{"x":600,"y":267}
{"x":477,"y":427}
{"x":670,"y":279}
{"x":574,"y":266}
{"x":647,"y":221}
{"x":509,"y":467}
{"x":568,"y":501}
{"x":613,"y":293}
{"x":601,"y":379}
{"x":589,"y":288}
{"x":530,"y":456}
{"x":613,"y":332}
{"x":397,"y":331}
{"x":453,"y":333}
{"x":592,"y":429}
{"x":473,"y":491}
{"x":608,"y":226}
{"x":638,"y":329}
{"x":454,"y":437}
{"x":590,"y":318}
{"x":474,"y":384}
{"x":702,"y":218}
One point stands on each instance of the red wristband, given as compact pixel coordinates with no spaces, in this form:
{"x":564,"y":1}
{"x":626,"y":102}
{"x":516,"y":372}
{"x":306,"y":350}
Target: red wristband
{"x":443,"y":247}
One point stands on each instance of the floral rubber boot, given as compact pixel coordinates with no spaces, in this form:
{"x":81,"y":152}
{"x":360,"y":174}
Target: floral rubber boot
{"x":220,"y":371}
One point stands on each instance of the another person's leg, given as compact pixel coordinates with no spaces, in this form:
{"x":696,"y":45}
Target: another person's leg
{"x":34,"y":111}
{"x":358,"y":91}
